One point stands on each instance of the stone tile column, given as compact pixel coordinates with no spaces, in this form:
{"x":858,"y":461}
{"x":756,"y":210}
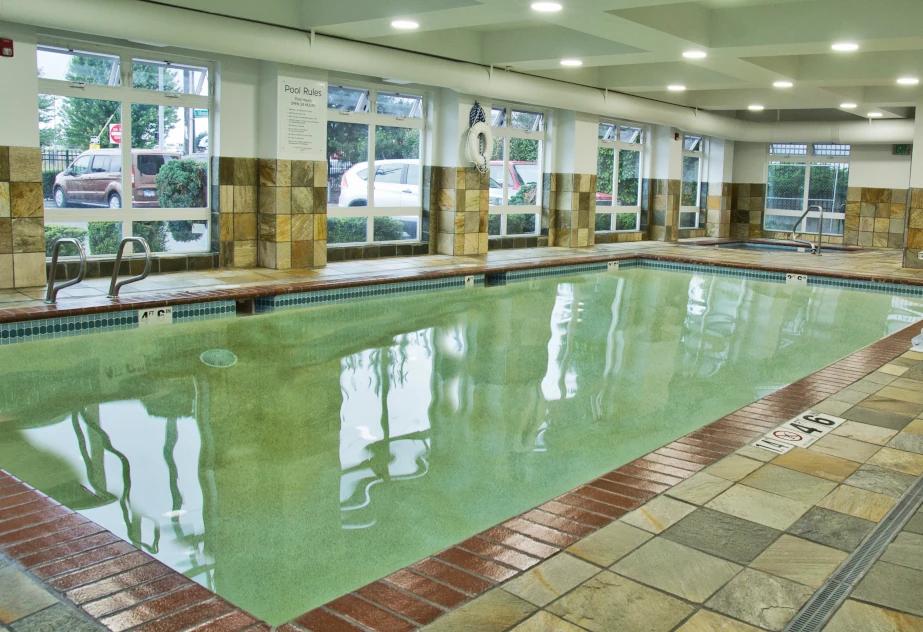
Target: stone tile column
{"x":292,"y":214}
{"x":461,"y":199}
{"x":718,"y":210}
{"x":875,"y":217}
{"x":665,"y":198}
{"x":237,"y":211}
{"x":571,"y":207}
{"x":747,"y":204}
{"x":22,"y":218}
{"x":914,"y":230}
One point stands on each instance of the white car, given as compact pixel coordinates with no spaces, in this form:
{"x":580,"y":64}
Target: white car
{"x":397,"y":184}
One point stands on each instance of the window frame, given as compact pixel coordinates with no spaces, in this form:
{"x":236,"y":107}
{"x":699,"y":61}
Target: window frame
{"x":696,"y":210}
{"x":618,"y":146}
{"x":127,"y":95}
{"x":808,"y":160}
{"x":372,"y":119}
{"x":508,"y":132}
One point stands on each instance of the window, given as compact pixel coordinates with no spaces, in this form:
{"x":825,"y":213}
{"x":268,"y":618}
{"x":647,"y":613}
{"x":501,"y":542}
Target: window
{"x":515,"y":171}
{"x":618,"y":177}
{"x":691,"y":186}
{"x":377,"y":133}
{"x":800,"y":176}
{"x":107,"y":137}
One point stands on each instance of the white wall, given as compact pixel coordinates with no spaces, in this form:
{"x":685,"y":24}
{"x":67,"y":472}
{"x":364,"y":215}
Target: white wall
{"x":750,"y":162}
{"x":666,"y":153}
{"x":720,"y":161}
{"x":876,"y":166}
{"x":237,"y":97}
{"x":19,"y":92}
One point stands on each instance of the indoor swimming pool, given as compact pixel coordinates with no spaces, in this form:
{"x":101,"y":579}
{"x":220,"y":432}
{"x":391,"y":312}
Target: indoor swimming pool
{"x":283,"y":460}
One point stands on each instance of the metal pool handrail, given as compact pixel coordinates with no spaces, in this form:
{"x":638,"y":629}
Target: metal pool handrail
{"x":115,"y":286}
{"x":51,"y":294}
{"x":820,"y":227}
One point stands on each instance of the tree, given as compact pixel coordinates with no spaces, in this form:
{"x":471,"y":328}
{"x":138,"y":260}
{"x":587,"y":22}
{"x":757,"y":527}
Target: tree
{"x":46,"y":130}
{"x":84,"y":118}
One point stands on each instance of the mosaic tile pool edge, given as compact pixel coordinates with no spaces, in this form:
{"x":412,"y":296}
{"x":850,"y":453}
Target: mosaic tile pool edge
{"x":56,"y":328}
{"x":300,"y":300}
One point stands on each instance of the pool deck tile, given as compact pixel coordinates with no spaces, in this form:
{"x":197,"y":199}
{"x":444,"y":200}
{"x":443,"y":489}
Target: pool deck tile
{"x":699,"y":489}
{"x":495,"y":611}
{"x":677,"y":569}
{"x":855,"y":616}
{"x":659,"y":514}
{"x":545,"y":622}
{"x":610,"y":602}
{"x":857,"y":502}
{"x":892,"y":586}
{"x":799,"y":560}
{"x":789,"y":483}
{"x":863,"y":432}
{"x":758,"y":506}
{"x":723,"y":535}
{"x":883,"y":481}
{"x":906,"y":550}
{"x":551,"y":579}
{"x":898,"y":460}
{"x":706,"y":621}
{"x":908,"y":442}
{"x":746,"y":597}
{"x":817,"y":464}
{"x":610,"y":544}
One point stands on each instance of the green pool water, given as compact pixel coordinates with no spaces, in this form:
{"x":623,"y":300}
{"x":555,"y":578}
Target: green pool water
{"x":351,"y":440}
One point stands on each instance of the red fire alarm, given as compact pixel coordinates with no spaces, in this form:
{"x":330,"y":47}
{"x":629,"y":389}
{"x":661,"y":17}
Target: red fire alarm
{"x":6,"y":48}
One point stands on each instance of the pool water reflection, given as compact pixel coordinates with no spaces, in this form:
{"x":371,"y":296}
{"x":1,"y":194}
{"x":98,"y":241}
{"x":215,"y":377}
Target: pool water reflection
{"x":351,"y":440}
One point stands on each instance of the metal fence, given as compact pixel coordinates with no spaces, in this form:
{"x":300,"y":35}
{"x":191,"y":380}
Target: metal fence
{"x":57,"y":160}
{"x":335,"y":170}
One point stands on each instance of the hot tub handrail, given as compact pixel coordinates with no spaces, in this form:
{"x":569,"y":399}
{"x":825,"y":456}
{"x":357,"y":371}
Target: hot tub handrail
{"x":814,"y":249}
{"x":51,"y":294}
{"x":115,"y":285}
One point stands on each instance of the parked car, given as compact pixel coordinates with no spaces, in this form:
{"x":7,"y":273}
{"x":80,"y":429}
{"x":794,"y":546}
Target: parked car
{"x":95,"y":178}
{"x":397,"y":184}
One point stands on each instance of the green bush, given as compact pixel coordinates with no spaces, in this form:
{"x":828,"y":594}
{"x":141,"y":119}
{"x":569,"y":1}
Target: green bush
{"x":348,"y":230}
{"x":48,"y":184}
{"x":105,"y":236}
{"x":525,"y":196}
{"x":182,"y":184}
{"x":53,"y":233}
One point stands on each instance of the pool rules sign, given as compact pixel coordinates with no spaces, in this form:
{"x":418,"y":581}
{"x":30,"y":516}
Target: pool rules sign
{"x":800,"y":432}
{"x":302,"y":119}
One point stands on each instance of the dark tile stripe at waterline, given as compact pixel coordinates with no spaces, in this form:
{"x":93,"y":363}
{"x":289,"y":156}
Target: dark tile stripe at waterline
{"x":56,"y":328}
{"x":425,"y":590}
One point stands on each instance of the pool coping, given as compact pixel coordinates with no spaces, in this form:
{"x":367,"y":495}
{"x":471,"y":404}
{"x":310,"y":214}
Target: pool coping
{"x":82,"y":562}
{"x":82,"y":307}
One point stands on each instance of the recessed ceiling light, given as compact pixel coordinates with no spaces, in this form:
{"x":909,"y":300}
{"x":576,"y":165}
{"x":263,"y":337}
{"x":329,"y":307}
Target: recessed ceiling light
{"x":676,"y":87}
{"x":573,"y":63}
{"x":695,"y":54}
{"x":875,"y":114}
{"x":756,"y":108}
{"x":848,"y":106}
{"x":908,"y":81}
{"x":546,"y":7}
{"x":783,"y":84}
{"x":406,"y":25}
{"x":845,"y":47}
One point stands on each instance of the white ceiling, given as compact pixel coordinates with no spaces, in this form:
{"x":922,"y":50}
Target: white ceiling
{"x":635,"y":46}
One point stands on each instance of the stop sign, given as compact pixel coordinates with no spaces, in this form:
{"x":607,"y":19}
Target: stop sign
{"x":115,"y":133}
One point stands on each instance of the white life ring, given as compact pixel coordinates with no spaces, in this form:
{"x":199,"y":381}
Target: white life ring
{"x":478,"y":131}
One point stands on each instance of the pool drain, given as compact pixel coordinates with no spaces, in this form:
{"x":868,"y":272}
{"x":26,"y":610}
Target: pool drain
{"x":218,"y":358}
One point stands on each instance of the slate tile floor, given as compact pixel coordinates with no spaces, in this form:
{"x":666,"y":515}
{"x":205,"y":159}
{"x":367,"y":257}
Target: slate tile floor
{"x":743,"y":544}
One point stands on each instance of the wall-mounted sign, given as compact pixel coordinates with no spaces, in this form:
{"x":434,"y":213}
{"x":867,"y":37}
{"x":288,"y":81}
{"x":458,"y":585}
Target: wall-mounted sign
{"x":903,"y":150}
{"x":302,"y":119}
{"x":199,"y":113}
{"x":115,"y":133}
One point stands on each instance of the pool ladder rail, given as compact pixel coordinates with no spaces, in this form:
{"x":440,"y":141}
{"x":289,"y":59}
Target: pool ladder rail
{"x":51,"y":294}
{"x":815,"y":249}
{"x":116,"y":285}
